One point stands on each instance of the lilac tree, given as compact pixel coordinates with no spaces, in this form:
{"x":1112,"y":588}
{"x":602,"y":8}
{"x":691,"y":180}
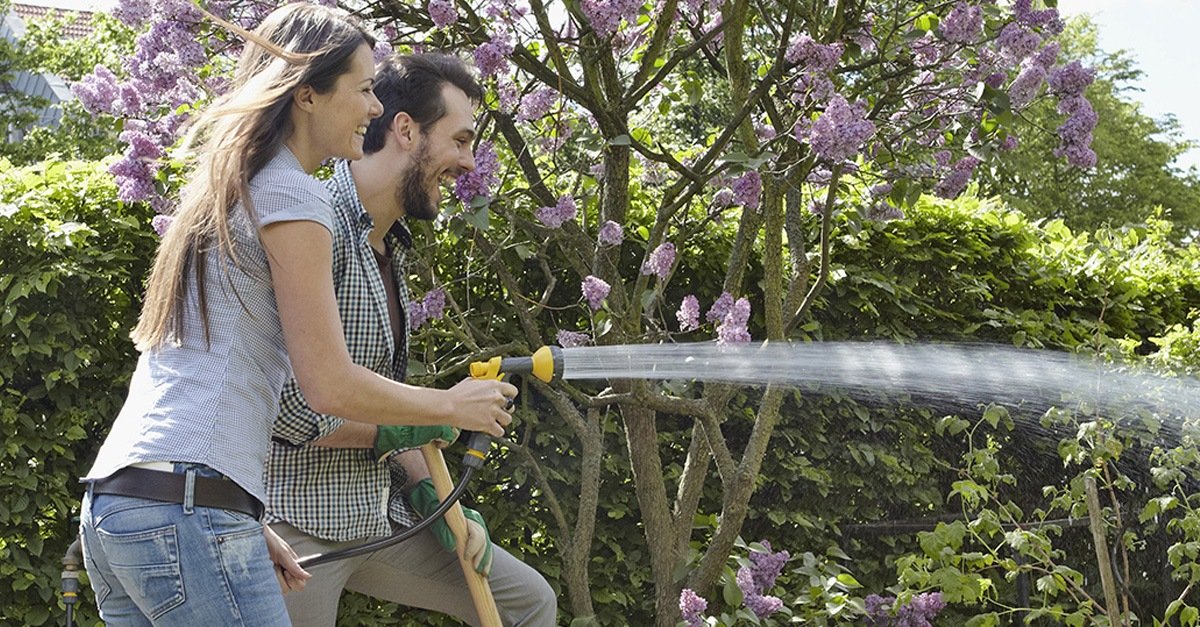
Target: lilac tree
{"x":627,"y":143}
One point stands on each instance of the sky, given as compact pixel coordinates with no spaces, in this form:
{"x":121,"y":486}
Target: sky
{"x":1153,"y":31}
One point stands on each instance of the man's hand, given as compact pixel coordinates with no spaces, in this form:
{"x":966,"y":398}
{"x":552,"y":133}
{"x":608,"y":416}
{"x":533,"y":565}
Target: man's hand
{"x":291,"y":577}
{"x":389,"y":438}
{"x":425,"y":500}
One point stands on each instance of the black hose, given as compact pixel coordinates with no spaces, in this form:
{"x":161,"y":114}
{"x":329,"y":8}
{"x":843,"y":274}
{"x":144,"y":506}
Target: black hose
{"x":477,"y":446}
{"x":400,"y":536}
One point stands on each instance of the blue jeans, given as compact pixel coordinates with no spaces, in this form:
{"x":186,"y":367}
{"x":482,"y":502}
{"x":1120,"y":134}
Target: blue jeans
{"x":156,"y":563}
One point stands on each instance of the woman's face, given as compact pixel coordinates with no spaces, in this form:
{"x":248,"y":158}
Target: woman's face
{"x":341,"y":115}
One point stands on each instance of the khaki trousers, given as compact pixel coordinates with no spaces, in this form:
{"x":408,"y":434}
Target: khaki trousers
{"x":417,"y":573}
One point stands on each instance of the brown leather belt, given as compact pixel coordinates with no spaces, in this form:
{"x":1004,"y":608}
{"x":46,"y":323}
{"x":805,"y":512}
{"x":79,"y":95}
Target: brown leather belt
{"x":169,"y":487}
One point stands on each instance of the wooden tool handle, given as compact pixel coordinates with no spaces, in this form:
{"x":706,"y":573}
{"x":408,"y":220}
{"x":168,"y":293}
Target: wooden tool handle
{"x":481,"y":592}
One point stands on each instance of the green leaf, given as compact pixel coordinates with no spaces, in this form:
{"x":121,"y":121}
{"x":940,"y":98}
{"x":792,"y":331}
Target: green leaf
{"x":479,"y":219}
{"x":621,"y":140}
{"x":993,"y":414}
{"x":926,"y":22}
{"x":848,"y":580}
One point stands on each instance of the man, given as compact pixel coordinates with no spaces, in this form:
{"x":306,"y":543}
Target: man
{"x":333,"y":483}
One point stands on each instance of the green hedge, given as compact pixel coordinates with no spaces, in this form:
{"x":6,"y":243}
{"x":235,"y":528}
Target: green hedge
{"x":72,"y":262}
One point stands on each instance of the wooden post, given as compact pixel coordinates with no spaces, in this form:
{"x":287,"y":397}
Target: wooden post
{"x":1102,"y":560}
{"x":481,"y":592}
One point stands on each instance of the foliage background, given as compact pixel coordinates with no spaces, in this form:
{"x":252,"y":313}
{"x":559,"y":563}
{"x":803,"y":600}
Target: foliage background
{"x":857,"y":484}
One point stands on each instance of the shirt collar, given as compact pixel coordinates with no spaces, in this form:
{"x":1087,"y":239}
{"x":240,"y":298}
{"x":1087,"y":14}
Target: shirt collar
{"x":343,"y":184}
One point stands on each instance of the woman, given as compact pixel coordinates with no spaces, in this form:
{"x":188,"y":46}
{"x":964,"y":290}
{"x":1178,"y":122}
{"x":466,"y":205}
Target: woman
{"x":240,"y":297}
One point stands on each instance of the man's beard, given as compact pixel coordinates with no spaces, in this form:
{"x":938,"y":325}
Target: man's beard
{"x":413,"y":193}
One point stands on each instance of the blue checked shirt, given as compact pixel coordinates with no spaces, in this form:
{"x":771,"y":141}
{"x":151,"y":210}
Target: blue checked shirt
{"x":213,"y":400}
{"x":344,"y":494}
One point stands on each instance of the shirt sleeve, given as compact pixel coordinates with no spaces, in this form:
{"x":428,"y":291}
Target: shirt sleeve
{"x":290,"y":196}
{"x":297,"y":423}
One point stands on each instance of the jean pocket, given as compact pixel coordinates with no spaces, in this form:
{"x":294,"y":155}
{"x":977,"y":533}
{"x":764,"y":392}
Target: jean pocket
{"x":147,"y":565}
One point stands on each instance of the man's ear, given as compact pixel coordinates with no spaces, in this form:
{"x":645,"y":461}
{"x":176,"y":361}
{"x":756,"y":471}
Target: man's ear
{"x":404,"y":130}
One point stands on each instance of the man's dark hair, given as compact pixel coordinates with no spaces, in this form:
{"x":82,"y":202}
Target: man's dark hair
{"x":413,"y":84}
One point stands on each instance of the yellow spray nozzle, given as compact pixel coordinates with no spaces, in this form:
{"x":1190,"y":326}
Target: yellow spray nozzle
{"x":489,"y":369}
{"x":544,"y":364}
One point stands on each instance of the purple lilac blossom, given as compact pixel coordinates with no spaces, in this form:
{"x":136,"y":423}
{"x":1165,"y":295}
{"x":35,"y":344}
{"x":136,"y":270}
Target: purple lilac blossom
{"x":435,"y":303}
{"x":507,"y":94}
{"x":1017,"y":43}
{"x":719,"y":308}
{"x":595,"y":290}
{"x":660,"y":261}
{"x":416,"y":315}
{"x":878,"y":610}
{"x":431,"y":307}
{"x":1075,"y":137}
{"x":767,"y":565}
{"x":747,"y":189}
{"x":536,"y":104}
{"x":1047,"y":56}
{"x":927,"y":49}
{"x":1070,"y":79}
{"x":1068,"y":82}
{"x":611,"y":234}
{"x":692,"y":607}
{"x":963,"y":24}
{"x":382,"y":51}
{"x":1009,"y":143}
{"x":956,"y":181}
{"x":133,"y":13}
{"x":98,"y":91}
{"x":996,"y":80}
{"x":753,"y":597}
{"x":508,"y":10}
{"x":732,"y":329}
{"x":479,"y":182}
{"x":689,"y":313}
{"x":839,"y":133}
{"x":563,"y":211}
{"x":812,"y":88}
{"x":442,"y":12}
{"x":918,"y":612}
{"x":605,"y":16}
{"x":763,"y":605}
{"x":1025,"y":87}
{"x":813,"y":56}
{"x":160,"y":223}
{"x":491,"y":58}
{"x":571,"y":339}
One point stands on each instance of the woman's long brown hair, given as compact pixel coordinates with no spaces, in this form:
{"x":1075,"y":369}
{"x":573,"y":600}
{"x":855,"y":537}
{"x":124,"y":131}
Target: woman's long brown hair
{"x":231,"y":141}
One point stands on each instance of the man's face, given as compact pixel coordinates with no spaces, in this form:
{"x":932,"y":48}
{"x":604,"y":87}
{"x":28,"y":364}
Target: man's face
{"x":443,"y":154}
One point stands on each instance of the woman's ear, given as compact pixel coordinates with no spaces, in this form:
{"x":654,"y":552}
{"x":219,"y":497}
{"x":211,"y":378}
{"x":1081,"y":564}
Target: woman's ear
{"x":304,"y":97}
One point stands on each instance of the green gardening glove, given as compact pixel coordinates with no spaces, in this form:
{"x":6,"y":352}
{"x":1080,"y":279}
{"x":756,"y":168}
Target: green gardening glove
{"x":425,"y":500}
{"x":390,"y":438}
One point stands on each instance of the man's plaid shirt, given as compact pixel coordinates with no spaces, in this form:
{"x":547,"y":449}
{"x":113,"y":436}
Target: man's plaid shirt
{"x":344,"y":494}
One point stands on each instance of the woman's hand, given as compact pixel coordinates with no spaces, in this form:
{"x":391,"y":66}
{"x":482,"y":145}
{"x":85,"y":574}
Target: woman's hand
{"x":291,"y":577}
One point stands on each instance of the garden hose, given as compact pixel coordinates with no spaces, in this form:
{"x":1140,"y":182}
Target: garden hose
{"x":477,"y":446}
{"x":543,"y":364}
